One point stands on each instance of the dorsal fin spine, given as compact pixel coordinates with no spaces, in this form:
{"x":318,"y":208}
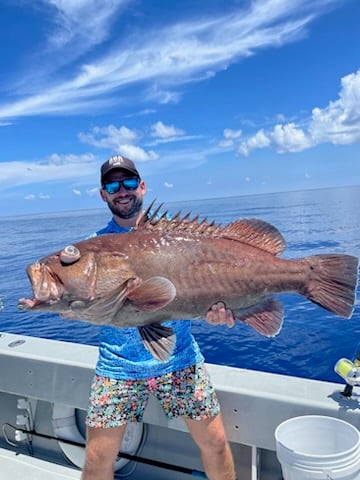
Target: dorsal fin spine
{"x":254,"y":232}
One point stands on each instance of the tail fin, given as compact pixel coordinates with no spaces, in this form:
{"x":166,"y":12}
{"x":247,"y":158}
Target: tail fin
{"x":332,"y":283}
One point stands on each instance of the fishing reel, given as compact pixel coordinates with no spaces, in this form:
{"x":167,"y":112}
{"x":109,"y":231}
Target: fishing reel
{"x":349,"y":370}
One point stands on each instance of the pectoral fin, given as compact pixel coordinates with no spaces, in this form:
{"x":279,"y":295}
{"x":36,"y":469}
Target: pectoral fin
{"x":153,"y":294}
{"x":265,"y":317}
{"x":158,"y":340}
{"x":104,"y":308}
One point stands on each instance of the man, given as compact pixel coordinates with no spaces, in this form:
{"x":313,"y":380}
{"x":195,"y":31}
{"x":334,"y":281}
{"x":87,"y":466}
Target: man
{"x":126,"y":370}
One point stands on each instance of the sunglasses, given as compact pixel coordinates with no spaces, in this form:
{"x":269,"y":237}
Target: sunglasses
{"x":127,"y":183}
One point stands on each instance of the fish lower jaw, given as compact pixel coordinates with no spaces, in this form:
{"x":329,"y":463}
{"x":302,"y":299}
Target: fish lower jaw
{"x":28,"y":303}
{"x":38,"y":304}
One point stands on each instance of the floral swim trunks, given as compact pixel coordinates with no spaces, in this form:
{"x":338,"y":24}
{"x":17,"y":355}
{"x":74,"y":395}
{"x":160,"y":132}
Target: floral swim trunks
{"x":188,"y":392}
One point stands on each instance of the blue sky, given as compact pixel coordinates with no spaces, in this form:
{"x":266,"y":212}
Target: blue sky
{"x":210,"y":98}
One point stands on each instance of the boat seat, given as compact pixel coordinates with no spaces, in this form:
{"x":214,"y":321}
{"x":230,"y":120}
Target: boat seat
{"x":31,"y":468}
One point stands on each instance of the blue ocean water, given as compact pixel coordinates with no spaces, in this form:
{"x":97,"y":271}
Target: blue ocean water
{"x":311,"y":340}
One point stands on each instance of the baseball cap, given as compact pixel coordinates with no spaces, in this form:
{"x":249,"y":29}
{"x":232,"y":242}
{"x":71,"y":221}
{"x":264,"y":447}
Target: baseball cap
{"x":116,"y":162}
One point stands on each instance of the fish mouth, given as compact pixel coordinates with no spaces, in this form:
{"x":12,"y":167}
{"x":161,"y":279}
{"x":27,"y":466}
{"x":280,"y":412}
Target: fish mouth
{"x":28,"y":303}
{"x":45,"y":284}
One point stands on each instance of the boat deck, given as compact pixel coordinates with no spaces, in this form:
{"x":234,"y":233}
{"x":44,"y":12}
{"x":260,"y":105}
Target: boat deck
{"x":15,"y":465}
{"x":51,"y":380}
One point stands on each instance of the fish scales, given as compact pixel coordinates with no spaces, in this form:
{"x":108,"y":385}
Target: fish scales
{"x":206,"y":261}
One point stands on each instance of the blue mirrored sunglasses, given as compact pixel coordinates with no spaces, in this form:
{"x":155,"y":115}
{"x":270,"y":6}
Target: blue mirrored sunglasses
{"x":127,"y":183}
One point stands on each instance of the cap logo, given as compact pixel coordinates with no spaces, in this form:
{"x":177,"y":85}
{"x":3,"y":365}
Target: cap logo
{"x":116,"y":160}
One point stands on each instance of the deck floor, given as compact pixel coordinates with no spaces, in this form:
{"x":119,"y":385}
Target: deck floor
{"x":23,"y":466}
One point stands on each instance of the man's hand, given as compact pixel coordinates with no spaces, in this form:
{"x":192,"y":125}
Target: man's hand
{"x":218,"y":314}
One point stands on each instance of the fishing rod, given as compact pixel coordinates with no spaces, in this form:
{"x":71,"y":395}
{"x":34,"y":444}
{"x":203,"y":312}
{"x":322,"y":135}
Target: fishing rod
{"x":128,"y":456}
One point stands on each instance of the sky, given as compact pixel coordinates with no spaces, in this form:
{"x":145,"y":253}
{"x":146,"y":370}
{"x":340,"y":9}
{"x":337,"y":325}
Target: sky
{"x":209,"y":98}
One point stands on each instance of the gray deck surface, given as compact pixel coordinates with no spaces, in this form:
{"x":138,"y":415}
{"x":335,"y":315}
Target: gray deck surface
{"x":24,"y":467}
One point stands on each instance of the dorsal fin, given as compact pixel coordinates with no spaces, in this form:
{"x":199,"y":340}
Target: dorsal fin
{"x":151,"y":219}
{"x":254,"y":232}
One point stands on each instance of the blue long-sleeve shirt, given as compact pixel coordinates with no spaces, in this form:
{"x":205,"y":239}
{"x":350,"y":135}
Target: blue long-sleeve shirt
{"x":122,"y":354}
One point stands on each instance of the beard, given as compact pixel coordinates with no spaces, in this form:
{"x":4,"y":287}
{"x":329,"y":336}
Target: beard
{"x":127,"y":211}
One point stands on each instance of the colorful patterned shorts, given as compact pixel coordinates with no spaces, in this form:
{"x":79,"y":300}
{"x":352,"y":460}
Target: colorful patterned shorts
{"x":187,"y":392}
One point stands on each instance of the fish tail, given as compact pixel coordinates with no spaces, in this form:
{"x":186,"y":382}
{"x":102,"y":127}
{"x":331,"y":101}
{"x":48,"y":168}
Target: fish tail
{"x":332,"y":282}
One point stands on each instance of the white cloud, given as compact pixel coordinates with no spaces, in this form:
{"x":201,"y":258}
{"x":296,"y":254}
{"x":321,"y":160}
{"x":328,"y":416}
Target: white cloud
{"x":146,"y":111}
{"x":44,"y":196}
{"x":108,"y":137}
{"x":54,"y":168}
{"x":289,"y":138}
{"x":259,"y":140}
{"x":159,"y":62}
{"x":119,"y":140}
{"x":31,"y":196}
{"x":40,"y":196}
{"x":226,"y":143}
{"x":160,"y":130}
{"x":92,"y":191}
{"x":76,"y":192}
{"x":137,"y":153}
{"x":338,"y":123}
{"x":161,"y":95}
{"x":66,"y":159}
{"x":81,"y":23}
{"x":231,"y":134}
{"x":168,"y":185}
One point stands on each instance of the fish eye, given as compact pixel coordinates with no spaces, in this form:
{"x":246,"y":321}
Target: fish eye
{"x":69,"y":255}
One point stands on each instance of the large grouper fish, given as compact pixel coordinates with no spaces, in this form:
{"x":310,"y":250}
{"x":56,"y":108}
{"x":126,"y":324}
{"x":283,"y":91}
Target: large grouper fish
{"x":177,"y":269}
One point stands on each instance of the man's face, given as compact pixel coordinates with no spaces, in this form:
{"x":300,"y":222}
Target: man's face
{"x":125,"y":203}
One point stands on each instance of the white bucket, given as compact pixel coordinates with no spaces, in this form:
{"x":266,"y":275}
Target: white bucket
{"x":315,"y":447}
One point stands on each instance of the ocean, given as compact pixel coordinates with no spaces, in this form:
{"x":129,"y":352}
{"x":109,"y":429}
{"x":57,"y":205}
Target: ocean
{"x":311,"y":221}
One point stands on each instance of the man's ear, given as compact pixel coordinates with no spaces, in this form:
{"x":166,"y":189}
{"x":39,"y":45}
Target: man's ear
{"x":143,"y":187}
{"x":102,"y":195}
